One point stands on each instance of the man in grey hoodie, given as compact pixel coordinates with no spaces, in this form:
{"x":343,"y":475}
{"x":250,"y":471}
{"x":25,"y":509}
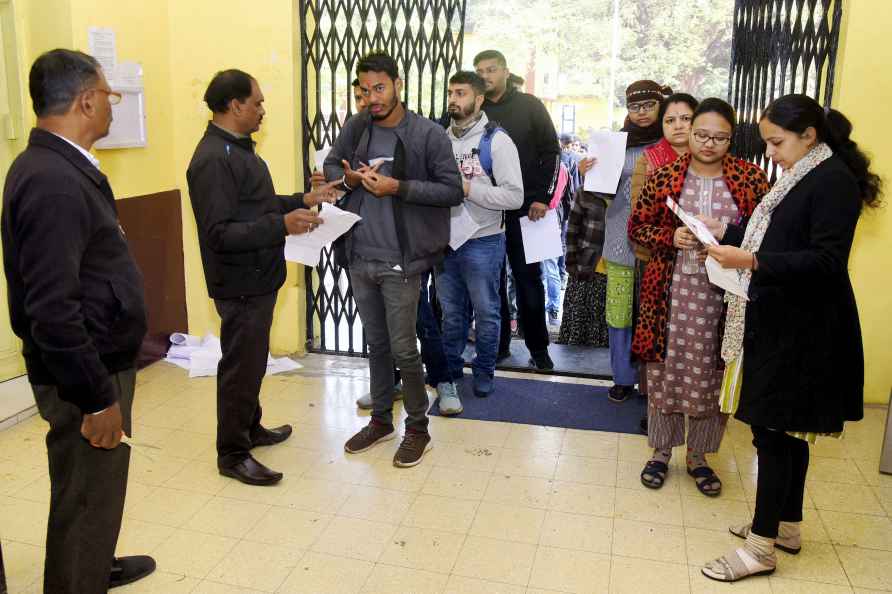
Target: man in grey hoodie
{"x":493,"y":183}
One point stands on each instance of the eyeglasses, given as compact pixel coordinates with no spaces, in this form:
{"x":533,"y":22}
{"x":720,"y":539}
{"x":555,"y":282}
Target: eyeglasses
{"x":114,"y":97}
{"x":717,"y":139}
{"x":643,"y":106}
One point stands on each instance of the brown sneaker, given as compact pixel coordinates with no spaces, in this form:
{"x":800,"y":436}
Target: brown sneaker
{"x":370,"y":435}
{"x":413,"y":448}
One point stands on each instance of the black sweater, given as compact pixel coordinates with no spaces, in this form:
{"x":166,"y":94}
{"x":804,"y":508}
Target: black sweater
{"x":529,"y":125}
{"x":75,"y":293}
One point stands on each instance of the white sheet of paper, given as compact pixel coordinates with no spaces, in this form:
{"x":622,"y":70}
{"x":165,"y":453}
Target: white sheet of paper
{"x":307,"y":247}
{"x":101,"y":41}
{"x":320,"y":157}
{"x":377,"y":160}
{"x":726,"y":278}
{"x":609,"y":148}
{"x":693,"y":223}
{"x":203,"y":355}
{"x":462,"y":227}
{"x":541,"y":239}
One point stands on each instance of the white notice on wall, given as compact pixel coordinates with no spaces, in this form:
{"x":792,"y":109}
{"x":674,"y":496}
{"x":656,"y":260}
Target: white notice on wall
{"x":102,"y":47}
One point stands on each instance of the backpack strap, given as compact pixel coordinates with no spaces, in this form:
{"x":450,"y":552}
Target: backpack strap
{"x":484,"y":149}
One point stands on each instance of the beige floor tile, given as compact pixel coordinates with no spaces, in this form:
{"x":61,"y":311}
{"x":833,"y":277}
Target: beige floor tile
{"x":326,"y":574}
{"x":867,"y":568}
{"x":576,"y":498}
{"x":289,"y":461}
{"x":871,"y":472}
{"x":460,"y":484}
{"x":703,"y":546}
{"x":628,"y":476}
{"x":341,"y":467}
{"x":483,"y":458}
{"x":732,"y":486}
{"x":268,"y":495}
{"x":580,"y":469}
{"x":420,"y":548}
{"x":193,"y":554}
{"x":380,"y":505}
{"x":37,"y":490}
{"x":834,"y":470}
{"x":355,"y":538}
{"x":575,"y":531}
{"x":518,"y":490}
{"x":658,"y":542}
{"x":211,"y":587}
{"x":634,"y":448}
{"x":700,"y":584}
{"x":535,"y":439}
{"x":227,"y":517}
{"x":15,"y":476}
{"x":162,"y":582}
{"x":441,"y":513}
{"x":818,"y":564}
{"x":628,"y":575}
{"x":383,"y":474}
{"x":169,"y":507}
{"x":508,"y":522}
{"x":199,"y":477}
{"x":785,"y":586}
{"x":481,"y":433}
{"x":884,"y":495}
{"x":570,"y":571}
{"x":495,"y":560}
{"x":594,"y":444}
{"x":386,"y":579}
{"x":289,"y":527}
{"x":661,"y":507}
{"x":840,"y":497}
{"x":465,"y":585}
{"x":23,"y":521}
{"x":518,"y":463}
{"x":714,"y":514}
{"x":858,"y":530}
{"x":23,"y":563}
{"x":186,"y":444}
{"x":314,"y":495}
{"x":141,"y":538}
{"x":258,"y":566}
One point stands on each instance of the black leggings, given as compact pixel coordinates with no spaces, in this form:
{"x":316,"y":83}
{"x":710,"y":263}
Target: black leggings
{"x":783,"y":464}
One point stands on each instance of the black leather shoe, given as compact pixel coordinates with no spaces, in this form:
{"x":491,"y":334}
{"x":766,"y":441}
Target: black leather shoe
{"x":268,"y":437}
{"x":541,"y":361}
{"x":252,"y":472}
{"x":126,"y":570}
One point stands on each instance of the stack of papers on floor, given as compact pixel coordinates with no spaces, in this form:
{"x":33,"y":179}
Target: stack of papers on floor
{"x":200,"y":356}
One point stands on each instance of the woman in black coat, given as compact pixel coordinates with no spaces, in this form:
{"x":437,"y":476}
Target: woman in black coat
{"x":793,"y":352}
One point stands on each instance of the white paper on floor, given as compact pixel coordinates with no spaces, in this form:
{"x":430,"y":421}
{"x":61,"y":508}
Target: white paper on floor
{"x":200,"y":356}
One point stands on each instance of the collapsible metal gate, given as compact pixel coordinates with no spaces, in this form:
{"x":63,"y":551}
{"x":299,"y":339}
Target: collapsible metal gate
{"x":425,"y":37}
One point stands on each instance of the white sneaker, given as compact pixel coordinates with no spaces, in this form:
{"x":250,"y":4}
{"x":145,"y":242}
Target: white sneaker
{"x":365,"y":401}
{"x":450,"y":403}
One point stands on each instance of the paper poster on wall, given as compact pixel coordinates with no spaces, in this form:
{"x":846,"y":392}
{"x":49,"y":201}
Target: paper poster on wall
{"x":128,"y":129}
{"x":102,"y":47}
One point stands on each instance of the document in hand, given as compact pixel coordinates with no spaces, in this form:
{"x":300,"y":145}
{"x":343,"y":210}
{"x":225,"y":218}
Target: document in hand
{"x":542,"y":238}
{"x":609,"y":148}
{"x":306,"y":247}
{"x":320,"y":157}
{"x":725,"y":278}
{"x":462,"y":227}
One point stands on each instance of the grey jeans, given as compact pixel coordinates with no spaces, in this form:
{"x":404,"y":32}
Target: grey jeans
{"x":387,"y":300}
{"x":87,"y":489}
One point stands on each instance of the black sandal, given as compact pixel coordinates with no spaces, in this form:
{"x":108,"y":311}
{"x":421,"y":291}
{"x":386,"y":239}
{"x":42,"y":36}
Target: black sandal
{"x":658,"y":471}
{"x":709,"y":478}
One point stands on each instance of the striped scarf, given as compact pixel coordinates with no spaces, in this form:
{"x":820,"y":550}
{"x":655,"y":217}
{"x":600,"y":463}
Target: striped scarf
{"x":732,"y":344}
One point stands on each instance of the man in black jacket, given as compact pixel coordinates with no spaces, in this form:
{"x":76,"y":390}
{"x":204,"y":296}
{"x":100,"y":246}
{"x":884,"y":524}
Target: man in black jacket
{"x":76,"y":301}
{"x":528,"y":124}
{"x":401,"y":177}
{"x":242,"y":225}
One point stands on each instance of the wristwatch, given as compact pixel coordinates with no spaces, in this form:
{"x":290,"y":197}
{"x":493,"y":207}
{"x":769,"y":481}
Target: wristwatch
{"x":344,"y":183}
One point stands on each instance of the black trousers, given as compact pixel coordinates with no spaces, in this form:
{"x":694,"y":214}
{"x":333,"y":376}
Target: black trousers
{"x":87,"y":489}
{"x":2,"y":573}
{"x":244,"y":338}
{"x":780,"y":487}
{"x":530,"y":294}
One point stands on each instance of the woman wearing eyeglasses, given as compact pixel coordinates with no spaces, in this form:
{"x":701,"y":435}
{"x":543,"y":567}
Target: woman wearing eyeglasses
{"x":643,"y":99}
{"x":679,"y":324}
{"x":793,"y":351}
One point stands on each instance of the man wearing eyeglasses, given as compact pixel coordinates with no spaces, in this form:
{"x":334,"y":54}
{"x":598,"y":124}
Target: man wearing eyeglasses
{"x":529,"y":125}
{"x":76,"y":301}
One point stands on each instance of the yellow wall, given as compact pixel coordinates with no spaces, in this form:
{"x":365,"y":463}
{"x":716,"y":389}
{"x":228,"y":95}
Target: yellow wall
{"x":862,"y":84}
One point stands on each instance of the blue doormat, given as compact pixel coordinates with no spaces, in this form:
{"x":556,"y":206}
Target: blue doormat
{"x":554,"y":404}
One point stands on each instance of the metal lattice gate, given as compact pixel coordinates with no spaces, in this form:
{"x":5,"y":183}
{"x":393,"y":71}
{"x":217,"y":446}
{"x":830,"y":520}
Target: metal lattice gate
{"x":425,"y":37}
{"x":779,"y":47}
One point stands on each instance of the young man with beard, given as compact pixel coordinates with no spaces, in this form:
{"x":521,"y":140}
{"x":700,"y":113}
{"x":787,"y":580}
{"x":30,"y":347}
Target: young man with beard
{"x":400,"y":177}
{"x":493,"y":183}
{"x":528,"y":124}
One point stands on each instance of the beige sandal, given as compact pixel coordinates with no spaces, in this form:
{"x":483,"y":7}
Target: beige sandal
{"x":737,"y":565}
{"x":788,"y":544}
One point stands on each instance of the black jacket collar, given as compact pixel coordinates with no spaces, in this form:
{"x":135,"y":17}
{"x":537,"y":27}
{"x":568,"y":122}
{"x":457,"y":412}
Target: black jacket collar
{"x":246,"y":142}
{"x":45,"y":139}
{"x":509,"y":94}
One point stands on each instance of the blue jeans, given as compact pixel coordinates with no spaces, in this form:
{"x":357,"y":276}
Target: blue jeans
{"x":428,"y":331}
{"x":625,"y":370}
{"x":472,"y":273}
{"x":552,"y":278}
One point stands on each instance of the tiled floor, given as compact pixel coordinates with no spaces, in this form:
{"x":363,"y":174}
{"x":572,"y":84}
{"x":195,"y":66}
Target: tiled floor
{"x":494,"y":508}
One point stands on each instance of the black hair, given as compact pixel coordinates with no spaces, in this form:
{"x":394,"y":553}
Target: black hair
{"x":355,"y":82}
{"x":226,"y":86}
{"x":688,"y":100}
{"x":719,"y":106}
{"x":491,"y":55}
{"x":57,"y":77}
{"x":797,"y":113}
{"x":466,"y":77}
{"x":378,"y":61}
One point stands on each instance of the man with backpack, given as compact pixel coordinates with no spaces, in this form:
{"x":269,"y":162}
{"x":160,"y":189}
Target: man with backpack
{"x":493,"y":183}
